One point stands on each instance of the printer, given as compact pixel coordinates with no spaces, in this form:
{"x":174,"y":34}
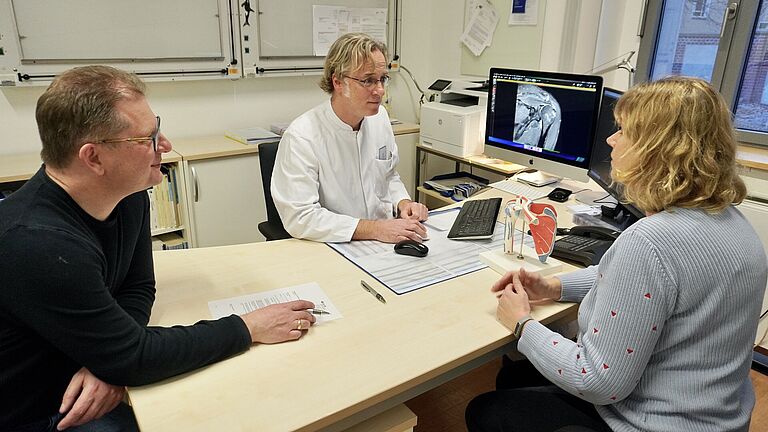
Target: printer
{"x":455,"y":122}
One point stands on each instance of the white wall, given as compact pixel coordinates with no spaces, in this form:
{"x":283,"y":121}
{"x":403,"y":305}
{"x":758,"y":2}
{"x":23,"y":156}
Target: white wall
{"x":617,"y":36}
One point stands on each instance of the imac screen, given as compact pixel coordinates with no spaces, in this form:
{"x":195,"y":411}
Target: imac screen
{"x":543,"y":115}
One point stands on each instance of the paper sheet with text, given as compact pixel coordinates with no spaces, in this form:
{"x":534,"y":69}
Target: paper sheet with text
{"x":250,"y":302}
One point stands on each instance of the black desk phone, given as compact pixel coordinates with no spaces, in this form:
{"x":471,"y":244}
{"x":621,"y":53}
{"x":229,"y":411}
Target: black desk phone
{"x":584,"y":244}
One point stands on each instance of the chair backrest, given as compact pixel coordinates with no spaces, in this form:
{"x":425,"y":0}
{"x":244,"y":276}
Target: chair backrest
{"x":267,"y":155}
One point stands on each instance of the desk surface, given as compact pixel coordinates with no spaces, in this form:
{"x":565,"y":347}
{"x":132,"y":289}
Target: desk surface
{"x":377,"y":352}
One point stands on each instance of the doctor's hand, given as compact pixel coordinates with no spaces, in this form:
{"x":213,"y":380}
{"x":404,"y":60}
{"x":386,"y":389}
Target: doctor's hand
{"x":390,"y":230}
{"x":407,"y":209}
{"x":87,"y":398}
{"x":279,"y":322}
{"x":513,"y":304}
{"x":536,"y":287}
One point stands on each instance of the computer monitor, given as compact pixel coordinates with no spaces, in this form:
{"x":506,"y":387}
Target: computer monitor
{"x":543,"y":120}
{"x":600,"y":162}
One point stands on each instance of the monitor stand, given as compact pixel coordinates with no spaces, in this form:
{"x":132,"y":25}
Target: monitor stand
{"x":537,"y":178}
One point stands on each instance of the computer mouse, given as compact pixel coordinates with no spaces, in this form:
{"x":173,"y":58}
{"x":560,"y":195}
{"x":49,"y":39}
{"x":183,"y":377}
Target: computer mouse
{"x":559,"y":195}
{"x":411,"y":248}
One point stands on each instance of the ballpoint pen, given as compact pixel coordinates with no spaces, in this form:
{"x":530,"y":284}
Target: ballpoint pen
{"x":368,"y":288}
{"x":317,"y":311}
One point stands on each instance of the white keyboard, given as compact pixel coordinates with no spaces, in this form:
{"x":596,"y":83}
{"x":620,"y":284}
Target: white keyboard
{"x":517,"y":188}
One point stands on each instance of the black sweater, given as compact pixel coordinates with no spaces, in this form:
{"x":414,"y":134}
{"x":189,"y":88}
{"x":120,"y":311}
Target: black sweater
{"x":77,"y":292}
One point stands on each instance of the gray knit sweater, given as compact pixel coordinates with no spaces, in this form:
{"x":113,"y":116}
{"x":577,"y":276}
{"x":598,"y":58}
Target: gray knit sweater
{"x":666,"y":325}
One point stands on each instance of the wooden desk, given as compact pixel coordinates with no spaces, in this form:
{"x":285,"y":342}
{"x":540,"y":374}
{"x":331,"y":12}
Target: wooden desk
{"x":340,"y":373}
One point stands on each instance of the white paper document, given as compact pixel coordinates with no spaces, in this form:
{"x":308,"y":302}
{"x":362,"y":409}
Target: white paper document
{"x":478,"y":33}
{"x":584,"y":209}
{"x":446,"y":259}
{"x":250,"y":302}
{"x":330,"y":22}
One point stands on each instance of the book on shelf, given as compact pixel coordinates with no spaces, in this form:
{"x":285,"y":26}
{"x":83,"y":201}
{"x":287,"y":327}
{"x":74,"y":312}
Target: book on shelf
{"x":169,"y":241}
{"x":254,"y":135}
{"x":164,"y":202}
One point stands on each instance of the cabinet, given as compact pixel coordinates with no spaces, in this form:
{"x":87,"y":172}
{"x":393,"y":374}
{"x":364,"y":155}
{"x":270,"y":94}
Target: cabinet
{"x":225,"y":197}
{"x":17,"y":169}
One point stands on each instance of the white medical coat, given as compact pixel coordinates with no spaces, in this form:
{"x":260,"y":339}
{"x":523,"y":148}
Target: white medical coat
{"x":327,"y":176}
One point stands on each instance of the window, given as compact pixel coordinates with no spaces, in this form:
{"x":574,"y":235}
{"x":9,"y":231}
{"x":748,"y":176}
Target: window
{"x":724,"y":42}
{"x":752,"y":101}
{"x":700,"y":9}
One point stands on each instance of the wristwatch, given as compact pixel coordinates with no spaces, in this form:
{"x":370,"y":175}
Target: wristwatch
{"x":520,"y":324}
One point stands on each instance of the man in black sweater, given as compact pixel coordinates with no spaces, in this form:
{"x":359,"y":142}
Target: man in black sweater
{"x":77,"y":273}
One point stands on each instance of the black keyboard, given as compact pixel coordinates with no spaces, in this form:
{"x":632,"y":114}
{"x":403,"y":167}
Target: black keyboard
{"x":476,"y":220}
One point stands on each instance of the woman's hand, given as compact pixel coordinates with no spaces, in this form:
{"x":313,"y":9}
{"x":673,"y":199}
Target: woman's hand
{"x":537,"y":287}
{"x":513,"y":303}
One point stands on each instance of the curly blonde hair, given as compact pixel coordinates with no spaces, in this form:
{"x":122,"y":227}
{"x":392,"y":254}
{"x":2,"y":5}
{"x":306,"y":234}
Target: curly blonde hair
{"x":350,"y":52}
{"x":682,"y":147}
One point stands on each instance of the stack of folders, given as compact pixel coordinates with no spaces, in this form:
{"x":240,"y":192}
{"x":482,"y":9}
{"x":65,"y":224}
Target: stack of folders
{"x":279,"y":128}
{"x":254,"y":135}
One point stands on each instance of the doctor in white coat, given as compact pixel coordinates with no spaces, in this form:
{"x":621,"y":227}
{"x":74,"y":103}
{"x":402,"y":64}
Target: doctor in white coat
{"x":334,"y":178}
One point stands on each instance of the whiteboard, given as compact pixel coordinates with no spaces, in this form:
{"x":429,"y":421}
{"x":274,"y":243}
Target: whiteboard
{"x":285,"y":27}
{"x":109,"y":30}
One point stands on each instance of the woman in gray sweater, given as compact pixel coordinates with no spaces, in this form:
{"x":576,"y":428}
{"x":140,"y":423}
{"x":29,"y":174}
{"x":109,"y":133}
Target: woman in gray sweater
{"x":668,"y":318}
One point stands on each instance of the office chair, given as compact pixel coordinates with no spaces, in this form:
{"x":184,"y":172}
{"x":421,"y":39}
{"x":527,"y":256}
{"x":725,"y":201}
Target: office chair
{"x":272,"y":228}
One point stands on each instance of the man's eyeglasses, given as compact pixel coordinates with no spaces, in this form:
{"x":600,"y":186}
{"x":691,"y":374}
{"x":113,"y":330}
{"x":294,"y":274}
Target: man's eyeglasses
{"x":369,"y":83}
{"x":152,"y":137}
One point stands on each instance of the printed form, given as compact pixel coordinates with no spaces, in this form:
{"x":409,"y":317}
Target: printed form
{"x":447,"y":258}
{"x":248,"y":303}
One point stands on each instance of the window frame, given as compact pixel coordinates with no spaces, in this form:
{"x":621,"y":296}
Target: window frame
{"x":730,"y":61}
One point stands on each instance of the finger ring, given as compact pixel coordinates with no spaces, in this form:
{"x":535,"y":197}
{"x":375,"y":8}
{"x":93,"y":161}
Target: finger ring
{"x":298,"y":324}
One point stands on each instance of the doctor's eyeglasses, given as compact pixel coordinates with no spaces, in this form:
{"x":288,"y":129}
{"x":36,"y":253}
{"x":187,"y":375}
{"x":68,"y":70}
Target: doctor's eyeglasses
{"x":369,"y":83}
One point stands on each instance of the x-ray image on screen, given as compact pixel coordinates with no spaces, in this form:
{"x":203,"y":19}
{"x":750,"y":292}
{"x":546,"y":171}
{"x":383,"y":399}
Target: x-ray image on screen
{"x":537,"y":117}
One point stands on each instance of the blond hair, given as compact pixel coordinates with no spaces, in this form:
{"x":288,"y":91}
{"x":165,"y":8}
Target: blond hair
{"x":79,"y":106}
{"x":349,"y":53}
{"x":681,"y":146}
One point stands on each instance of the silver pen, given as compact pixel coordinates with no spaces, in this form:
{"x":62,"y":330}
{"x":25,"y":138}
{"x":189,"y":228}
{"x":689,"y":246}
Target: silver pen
{"x":368,"y":288}
{"x":317,"y":311}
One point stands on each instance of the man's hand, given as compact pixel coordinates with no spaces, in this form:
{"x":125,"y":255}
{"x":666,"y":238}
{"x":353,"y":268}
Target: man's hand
{"x":279,"y":322}
{"x":513,"y":304}
{"x":407,"y":209}
{"x":87,"y":398}
{"x":390,"y":230}
{"x":537,"y":287}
